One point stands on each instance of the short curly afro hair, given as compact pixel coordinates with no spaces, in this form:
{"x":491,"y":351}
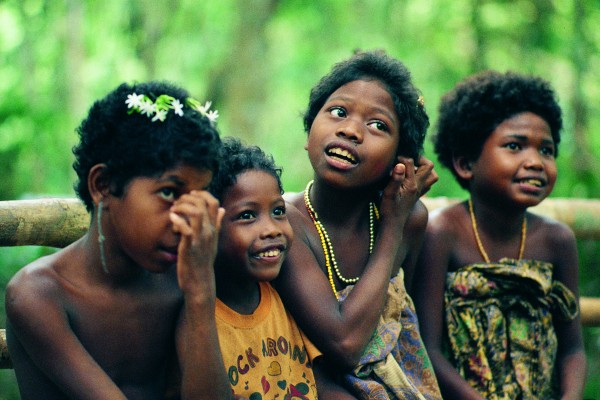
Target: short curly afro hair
{"x":237,"y":158}
{"x":471,"y":111}
{"x":376,"y":65}
{"x":132,"y":145}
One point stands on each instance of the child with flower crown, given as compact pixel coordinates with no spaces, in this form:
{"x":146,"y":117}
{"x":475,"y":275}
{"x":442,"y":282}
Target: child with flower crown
{"x":358,"y":228}
{"x":497,"y":299}
{"x":98,"y":319}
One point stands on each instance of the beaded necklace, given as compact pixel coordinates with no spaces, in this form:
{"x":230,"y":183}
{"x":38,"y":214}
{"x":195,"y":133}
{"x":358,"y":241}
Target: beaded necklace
{"x":330,"y":260}
{"x":478,"y":239}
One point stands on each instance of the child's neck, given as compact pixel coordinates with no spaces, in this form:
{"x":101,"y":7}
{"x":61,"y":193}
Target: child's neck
{"x":241,"y":298}
{"x":111,"y":273}
{"x":498,"y":222}
{"x":339,"y":207}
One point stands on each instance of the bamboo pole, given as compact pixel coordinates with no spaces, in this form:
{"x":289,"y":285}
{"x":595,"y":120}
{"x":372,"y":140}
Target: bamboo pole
{"x":581,"y":215}
{"x":50,"y":222}
{"x":57,"y":222}
{"x":4,"y":357}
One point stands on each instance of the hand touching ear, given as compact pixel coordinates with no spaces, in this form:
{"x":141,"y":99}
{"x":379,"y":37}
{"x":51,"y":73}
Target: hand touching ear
{"x":425,"y":174}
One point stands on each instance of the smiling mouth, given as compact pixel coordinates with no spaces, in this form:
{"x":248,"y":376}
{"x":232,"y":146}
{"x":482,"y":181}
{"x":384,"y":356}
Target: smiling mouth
{"x":276,"y":252}
{"x":342,"y":155}
{"x":533,"y":182}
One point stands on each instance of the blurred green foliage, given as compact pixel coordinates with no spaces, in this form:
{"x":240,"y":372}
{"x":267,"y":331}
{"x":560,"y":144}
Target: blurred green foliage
{"x":257,"y":60}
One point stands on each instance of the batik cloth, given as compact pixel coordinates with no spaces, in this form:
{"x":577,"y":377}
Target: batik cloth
{"x":395,"y":364}
{"x":499,"y":319}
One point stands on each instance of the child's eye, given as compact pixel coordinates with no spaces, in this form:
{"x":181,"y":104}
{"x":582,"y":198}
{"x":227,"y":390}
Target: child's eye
{"x":279,"y":211}
{"x":548,"y":151}
{"x":513,"y":146}
{"x":167,"y":193}
{"x":379,"y":125}
{"x":246,"y":215}
{"x":337,"y":112}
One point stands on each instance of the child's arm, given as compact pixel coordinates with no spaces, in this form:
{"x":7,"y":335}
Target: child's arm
{"x":428,"y":290}
{"x":328,"y":385}
{"x":197,"y":217}
{"x":45,"y":347}
{"x":570,"y":359}
{"x":342,"y":330}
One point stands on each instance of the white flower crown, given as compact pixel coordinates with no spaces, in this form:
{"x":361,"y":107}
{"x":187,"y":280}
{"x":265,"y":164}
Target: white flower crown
{"x":158,"y":109}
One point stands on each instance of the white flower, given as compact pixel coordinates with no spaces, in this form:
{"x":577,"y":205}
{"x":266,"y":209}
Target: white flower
{"x":147,"y":108}
{"x":177,"y":107}
{"x":212,"y":116}
{"x":134,"y":100}
{"x":161,"y":115}
{"x":204,"y":109}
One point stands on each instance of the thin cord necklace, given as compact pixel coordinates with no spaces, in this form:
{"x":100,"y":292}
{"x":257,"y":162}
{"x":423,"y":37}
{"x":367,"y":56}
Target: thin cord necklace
{"x":330,"y":260}
{"x":478,"y":239}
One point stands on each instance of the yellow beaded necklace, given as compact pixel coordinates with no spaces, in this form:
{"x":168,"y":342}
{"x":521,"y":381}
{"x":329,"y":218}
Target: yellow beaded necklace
{"x":326,"y":242}
{"x":478,"y":239}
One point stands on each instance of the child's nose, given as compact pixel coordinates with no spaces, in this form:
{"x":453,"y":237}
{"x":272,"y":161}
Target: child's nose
{"x":270,"y":229}
{"x":352,"y":130}
{"x":534,"y":160}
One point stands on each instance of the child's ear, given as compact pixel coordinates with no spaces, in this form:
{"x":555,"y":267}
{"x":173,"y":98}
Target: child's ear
{"x":462,"y":166}
{"x":98,"y":183}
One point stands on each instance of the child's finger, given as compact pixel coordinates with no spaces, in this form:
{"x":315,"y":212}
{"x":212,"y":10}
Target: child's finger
{"x":426,"y":175}
{"x":180,"y":224}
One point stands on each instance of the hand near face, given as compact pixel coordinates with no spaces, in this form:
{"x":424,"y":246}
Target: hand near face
{"x":401,"y":192}
{"x":425,"y":175}
{"x":196,"y":216}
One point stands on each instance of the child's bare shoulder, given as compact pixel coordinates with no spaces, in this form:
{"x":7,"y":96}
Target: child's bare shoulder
{"x":446,"y":220}
{"x":554,"y":231}
{"x":34,"y":285}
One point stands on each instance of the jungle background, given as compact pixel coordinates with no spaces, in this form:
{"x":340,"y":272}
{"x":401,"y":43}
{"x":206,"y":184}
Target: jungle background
{"x":257,"y":60}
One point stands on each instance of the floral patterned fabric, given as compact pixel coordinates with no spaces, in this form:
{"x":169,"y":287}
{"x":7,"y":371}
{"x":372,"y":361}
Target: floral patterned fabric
{"x":499,"y":319}
{"x":395,"y":364}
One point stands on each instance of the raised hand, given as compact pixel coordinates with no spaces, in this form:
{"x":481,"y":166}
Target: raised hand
{"x":425,"y":174}
{"x":401,"y":193}
{"x":197,"y":218}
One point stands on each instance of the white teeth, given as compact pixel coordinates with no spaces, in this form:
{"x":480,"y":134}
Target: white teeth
{"x":534,"y":182}
{"x":270,"y":253}
{"x":343,"y":153}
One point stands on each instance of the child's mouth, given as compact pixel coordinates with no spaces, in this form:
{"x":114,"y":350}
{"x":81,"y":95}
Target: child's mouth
{"x":341,"y":155}
{"x":269,"y":253}
{"x":533,"y":182}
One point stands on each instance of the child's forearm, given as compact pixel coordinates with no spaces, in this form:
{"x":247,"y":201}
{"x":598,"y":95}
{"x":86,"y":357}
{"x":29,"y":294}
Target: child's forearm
{"x":203,"y":372}
{"x":573,"y":369}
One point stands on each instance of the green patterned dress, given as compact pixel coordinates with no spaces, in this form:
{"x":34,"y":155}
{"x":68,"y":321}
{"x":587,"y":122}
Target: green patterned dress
{"x":499,"y":319}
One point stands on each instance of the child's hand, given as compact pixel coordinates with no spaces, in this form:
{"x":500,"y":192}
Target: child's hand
{"x":425,"y":174}
{"x":402,"y":191}
{"x":197,"y":218}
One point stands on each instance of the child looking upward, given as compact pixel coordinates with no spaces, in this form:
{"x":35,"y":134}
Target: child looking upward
{"x":265,"y":354}
{"x":499,"y":284}
{"x":97,"y":319}
{"x":359,"y":225}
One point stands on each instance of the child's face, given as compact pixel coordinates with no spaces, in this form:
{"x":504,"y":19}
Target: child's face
{"x":354,"y":138}
{"x":140,"y":230}
{"x":255,"y":232}
{"x":517,"y":162}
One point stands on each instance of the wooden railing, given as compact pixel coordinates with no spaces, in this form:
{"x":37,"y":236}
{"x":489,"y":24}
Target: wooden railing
{"x":56,"y":222}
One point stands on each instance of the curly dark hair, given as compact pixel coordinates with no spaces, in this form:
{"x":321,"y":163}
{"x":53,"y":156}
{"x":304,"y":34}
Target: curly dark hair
{"x":377,"y":65}
{"x":132,"y":145}
{"x":471,"y":111}
{"x":238,"y":158}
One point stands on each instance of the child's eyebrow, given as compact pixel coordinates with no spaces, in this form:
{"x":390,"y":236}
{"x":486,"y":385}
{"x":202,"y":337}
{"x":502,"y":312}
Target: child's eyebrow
{"x":173,"y":179}
{"x":525,"y":138}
